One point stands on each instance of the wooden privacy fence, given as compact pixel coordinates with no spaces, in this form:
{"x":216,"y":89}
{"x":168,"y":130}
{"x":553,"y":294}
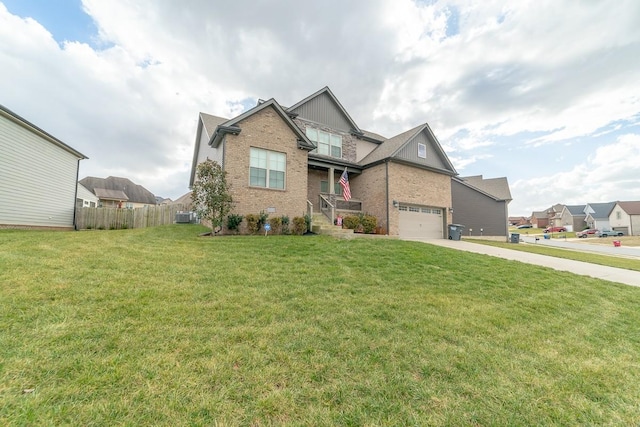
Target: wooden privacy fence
{"x":117,"y":218}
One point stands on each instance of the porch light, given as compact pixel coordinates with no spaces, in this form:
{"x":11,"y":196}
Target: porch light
{"x":395,"y":204}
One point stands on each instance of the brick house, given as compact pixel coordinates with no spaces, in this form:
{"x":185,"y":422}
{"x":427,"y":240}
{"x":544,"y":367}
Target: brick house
{"x":288,"y":161}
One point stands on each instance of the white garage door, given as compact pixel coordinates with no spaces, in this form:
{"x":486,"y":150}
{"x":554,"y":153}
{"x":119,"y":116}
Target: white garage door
{"x":420,"y":222}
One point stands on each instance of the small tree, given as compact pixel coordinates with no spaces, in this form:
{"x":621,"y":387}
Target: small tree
{"x":211,"y":193}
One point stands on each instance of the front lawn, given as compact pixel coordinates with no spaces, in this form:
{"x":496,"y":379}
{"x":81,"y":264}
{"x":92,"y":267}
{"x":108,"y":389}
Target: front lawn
{"x":161,"y":327}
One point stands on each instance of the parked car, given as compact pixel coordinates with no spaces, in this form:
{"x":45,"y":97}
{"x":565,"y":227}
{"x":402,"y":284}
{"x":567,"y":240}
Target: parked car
{"x":607,"y":233}
{"x":524,"y":226}
{"x":585,"y":233}
{"x":555,"y":229}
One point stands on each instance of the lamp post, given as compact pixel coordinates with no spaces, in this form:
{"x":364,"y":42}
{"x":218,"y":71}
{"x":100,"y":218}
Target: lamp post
{"x":550,"y":213}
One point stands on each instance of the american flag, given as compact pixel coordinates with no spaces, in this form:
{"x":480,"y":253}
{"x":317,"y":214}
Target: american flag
{"x":344,"y":182}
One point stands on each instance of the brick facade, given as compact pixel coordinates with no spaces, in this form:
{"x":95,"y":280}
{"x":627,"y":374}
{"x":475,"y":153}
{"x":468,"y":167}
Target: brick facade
{"x":268,"y":131}
{"x":410,"y":185}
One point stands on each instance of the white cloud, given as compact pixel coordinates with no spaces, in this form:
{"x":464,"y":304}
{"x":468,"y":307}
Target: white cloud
{"x":610,"y":174}
{"x":559,"y":70}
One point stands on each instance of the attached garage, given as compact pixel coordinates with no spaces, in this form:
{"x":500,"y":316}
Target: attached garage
{"x":420,"y":222}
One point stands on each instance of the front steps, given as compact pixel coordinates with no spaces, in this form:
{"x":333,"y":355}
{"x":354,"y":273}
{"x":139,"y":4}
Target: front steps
{"x":320,"y":224}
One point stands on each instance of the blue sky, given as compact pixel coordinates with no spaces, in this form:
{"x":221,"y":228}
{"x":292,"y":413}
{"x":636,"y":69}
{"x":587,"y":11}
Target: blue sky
{"x":543,"y":92}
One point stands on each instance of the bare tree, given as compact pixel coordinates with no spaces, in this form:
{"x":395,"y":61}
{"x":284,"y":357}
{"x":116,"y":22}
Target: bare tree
{"x":211,"y":194}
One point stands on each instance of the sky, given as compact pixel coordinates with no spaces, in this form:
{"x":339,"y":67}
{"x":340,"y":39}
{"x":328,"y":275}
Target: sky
{"x":543,"y":92}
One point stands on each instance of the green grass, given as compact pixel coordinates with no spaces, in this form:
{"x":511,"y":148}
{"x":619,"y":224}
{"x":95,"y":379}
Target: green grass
{"x":161,"y":327}
{"x":594,"y":258}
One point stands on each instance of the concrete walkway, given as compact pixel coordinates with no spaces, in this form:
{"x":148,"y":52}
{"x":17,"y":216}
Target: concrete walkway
{"x":612,"y":274}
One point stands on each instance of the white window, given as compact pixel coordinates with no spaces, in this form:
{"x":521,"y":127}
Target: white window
{"x":329,"y":144}
{"x":267,"y":168}
{"x":422,"y":151}
{"x":413,"y":209}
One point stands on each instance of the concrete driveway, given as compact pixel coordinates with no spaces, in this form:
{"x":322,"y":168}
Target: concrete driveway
{"x":619,"y":275}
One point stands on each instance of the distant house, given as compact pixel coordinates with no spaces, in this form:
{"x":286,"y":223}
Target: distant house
{"x":38,"y":176}
{"x":185,"y":200}
{"x":481,"y":205}
{"x":550,"y":217}
{"x":597,"y":215}
{"x":540,"y":219}
{"x":572,"y":217}
{"x":625,"y":217}
{"x":518,"y":220}
{"x":85,"y":198}
{"x":118,"y":192}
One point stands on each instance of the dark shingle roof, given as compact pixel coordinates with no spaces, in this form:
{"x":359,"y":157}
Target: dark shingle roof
{"x":497,"y":187}
{"x":135,"y":193}
{"x":601,"y":210}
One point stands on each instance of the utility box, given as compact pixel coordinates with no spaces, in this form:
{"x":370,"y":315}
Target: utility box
{"x":455,"y":231}
{"x":515,"y":237}
{"x":183,"y":217}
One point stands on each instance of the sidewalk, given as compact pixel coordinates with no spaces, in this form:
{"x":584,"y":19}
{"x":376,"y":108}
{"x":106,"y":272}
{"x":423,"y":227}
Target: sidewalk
{"x":620,"y":275}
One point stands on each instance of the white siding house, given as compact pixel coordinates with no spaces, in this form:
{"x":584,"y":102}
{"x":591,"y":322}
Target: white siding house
{"x":38,"y":176}
{"x":85,"y":198}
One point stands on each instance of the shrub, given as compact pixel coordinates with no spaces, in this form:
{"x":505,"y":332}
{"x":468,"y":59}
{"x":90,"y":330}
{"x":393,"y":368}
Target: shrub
{"x":285,"y":224}
{"x":351,"y":222}
{"x":369,"y":223}
{"x":253,"y":223}
{"x":276,"y":225}
{"x":361,"y":223}
{"x":234,"y":221}
{"x":299,"y":225}
{"x":262,"y":219}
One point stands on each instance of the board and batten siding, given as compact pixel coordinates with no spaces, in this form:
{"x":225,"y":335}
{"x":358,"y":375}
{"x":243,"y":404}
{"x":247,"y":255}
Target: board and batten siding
{"x":38,"y":176}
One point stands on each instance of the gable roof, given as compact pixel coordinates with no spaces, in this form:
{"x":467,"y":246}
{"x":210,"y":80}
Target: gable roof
{"x":10,"y":115}
{"x":599,"y":210}
{"x":210,"y":123}
{"x":497,"y":188}
{"x":391,"y":148}
{"x":134,"y":192}
{"x":105,"y":194}
{"x":539,"y":214}
{"x":575,"y":210}
{"x":231,"y":126}
{"x":630,"y":208}
{"x":325,"y":91}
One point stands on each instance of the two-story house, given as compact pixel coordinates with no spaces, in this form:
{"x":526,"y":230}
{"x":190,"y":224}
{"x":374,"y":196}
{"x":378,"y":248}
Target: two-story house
{"x":289,"y":160}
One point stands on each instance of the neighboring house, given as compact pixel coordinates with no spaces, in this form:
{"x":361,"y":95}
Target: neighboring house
{"x":625,"y":217}
{"x":184,"y":200}
{"x":163,"y":201}
{"x":572,"y":217}
{"x":119,"y":192}
{"x":288,"y":161}
{"x":481,"y":205}
{"x":550,"y":217}
{"x":540,"y":219}
{"x":597,"y":215}
{"x":518,"y":220}
{"x":38,"y":175}
{"x":85,"y":198}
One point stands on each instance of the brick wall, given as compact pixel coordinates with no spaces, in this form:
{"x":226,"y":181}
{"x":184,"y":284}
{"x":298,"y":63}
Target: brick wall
{"x":267,"y":130}
{"x":411,"y":185}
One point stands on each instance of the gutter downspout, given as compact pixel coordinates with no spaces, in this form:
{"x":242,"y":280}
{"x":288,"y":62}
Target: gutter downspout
{"x":386,"y":180}
{"x":75,"y":198}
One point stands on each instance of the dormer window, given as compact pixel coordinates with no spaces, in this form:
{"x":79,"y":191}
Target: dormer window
{"x":329,"y":144}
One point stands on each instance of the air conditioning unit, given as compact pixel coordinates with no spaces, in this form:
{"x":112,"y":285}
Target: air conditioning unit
{"x":183,"y":217}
